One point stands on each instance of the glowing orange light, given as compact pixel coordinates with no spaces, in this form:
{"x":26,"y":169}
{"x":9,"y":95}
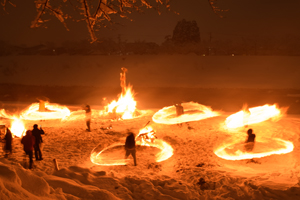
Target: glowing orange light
{"x":192,"y":112}
{"x":53,"y":111}
{"x":125,"y":107}
{"x":146,"y":137}
{"x":262,"y":147}
{"x":17,"y":128}
{"x":254,"y":115}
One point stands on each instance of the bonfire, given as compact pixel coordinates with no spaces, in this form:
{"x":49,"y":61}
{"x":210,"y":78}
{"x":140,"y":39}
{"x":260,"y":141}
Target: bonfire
{"x":125,"y":106}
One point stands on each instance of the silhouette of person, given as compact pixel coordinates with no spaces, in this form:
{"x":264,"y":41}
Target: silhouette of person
{"x":250,"y":140}
{"x":8,"y":141}
{"x":37,"y":133}
{"x":28,"y":142}
{"x":130,"y":147}
{"x":179,"y":109}
{"x":88,"y":115}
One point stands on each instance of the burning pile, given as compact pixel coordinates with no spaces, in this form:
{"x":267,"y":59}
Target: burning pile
{"x":125,"y":107}
{"x":146,"y":137}
{"x":192,"y":112}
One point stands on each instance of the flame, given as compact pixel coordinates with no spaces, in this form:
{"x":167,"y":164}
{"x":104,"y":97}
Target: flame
{"x":192,"y":112}
{"x":146,"y":137}
{"x":254,"y":115}
{"x":263,"y":147}
{"x":52,"y":111}
{"x":125,"y":106}
{"x":17,"y":128}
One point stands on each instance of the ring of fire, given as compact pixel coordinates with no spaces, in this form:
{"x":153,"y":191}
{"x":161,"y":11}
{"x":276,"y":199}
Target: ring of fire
{"x":263,"y":147}
{"x":192,"y":112}
{"x":54,"y":111}
{"x":166,"y":153}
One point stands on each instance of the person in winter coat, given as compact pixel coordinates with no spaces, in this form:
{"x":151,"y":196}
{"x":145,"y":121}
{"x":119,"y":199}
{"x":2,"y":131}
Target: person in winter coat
{"x":130,"y":147}
{"x":28,"y":142}
{"x":8,"y":140}
{"x":37,"y":133}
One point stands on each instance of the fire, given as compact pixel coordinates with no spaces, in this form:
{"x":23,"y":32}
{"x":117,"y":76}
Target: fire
{"x":17,"y":128}
{"x":254,"y":115}
{"x":263,"y":147}
{"x":146,"y":137}
{"x":125,"y":107}
{"x":52,"y":111}
{"x":192,"y":112}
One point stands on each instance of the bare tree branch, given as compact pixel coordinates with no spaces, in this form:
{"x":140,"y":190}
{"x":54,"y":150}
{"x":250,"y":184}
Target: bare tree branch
{"x":215,"y":8}
{"x":93,"y":12}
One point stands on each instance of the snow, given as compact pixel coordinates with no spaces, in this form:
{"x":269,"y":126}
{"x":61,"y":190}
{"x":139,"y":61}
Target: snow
{"x":193,"y":172}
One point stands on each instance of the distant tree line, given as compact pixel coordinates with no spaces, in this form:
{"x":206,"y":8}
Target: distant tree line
{"x":184,"y":40}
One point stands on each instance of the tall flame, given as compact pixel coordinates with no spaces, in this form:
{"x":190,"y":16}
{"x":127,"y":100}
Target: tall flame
{"x":126,"y":105}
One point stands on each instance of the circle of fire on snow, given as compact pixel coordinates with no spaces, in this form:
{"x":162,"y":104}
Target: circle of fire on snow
{"x":262,"y":147}
{"x":254,"y":115}
{"x":192,"y":112}
{"x":51,"y":111}
{"x":146,"y":138}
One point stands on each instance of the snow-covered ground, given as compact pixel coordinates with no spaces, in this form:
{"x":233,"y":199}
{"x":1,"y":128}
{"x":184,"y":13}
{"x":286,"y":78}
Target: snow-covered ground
{"x":272,"y":177}
{"x":193,"y":172}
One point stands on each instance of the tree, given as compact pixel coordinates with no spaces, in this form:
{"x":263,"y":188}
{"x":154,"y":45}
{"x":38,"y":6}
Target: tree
{"x":94,"y":12}
{"x":186,"y":32}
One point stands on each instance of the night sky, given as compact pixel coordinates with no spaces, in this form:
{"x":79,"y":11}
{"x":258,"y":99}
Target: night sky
{"x":246,"y":18}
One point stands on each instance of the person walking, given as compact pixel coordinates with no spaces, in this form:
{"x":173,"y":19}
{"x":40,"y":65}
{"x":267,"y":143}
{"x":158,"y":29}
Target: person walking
{"x":28,"y":142}
{"x":37,"y":133}
{"x":130,"y":147}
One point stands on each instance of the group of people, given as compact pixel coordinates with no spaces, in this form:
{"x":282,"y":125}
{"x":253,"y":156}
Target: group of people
{"x":31,"y":142}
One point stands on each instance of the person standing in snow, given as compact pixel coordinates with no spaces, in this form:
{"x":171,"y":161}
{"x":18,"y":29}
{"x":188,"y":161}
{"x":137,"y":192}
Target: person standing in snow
{"x":8,"y":141}
{"x":37,"y":133}
{"x":28,"y":142}
{"x":88,"y":115}
{"x":130,"y":147}
{"x":179,"y":109}
{"x":250,"y":140}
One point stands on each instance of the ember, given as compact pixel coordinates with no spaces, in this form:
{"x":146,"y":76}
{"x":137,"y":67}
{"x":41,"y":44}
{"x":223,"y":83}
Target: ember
{"x":192,"y":112}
